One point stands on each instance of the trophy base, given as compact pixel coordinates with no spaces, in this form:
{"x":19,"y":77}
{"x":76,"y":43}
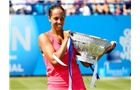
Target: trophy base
{"x":91,"y":60}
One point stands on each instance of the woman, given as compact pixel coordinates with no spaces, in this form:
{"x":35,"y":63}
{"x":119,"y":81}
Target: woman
{"x":55,"y":42}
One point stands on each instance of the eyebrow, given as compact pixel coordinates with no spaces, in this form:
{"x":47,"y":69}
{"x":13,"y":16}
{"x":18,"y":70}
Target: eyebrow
{"x":59,"y":17}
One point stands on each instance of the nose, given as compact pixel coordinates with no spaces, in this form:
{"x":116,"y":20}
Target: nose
{"x":59,"y":21}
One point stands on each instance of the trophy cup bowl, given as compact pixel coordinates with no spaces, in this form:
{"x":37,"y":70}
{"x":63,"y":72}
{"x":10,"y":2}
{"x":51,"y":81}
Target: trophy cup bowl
{"x":90,"y":47}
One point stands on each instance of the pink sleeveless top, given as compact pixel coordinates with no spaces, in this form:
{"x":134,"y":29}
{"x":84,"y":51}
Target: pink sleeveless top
{"x":58,"y":76}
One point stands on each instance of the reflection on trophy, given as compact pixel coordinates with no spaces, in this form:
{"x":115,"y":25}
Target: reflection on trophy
{"x":90,"y":47}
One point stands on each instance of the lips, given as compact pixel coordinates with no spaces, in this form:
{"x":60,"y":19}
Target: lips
{"x":59,"y":26}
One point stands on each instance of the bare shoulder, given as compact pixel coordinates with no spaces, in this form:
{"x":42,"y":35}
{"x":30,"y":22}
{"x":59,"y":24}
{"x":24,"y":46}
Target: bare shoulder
{"x":43,"y":36}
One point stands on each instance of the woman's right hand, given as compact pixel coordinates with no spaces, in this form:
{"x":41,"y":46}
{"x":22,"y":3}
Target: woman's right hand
{"x":66,"y":34}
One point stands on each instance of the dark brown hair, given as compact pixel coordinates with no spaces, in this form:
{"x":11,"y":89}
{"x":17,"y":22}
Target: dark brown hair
{"x":53,"y":7}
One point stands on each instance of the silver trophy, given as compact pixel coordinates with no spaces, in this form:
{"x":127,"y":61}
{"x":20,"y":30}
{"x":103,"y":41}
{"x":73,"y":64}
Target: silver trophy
{"x":90,"y":47}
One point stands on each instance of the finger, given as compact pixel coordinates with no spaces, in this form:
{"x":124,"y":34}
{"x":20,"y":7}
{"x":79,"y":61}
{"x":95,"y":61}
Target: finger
{"x":113,"y":42}
{"x":77,"y":53}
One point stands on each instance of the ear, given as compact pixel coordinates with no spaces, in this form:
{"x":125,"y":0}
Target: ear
{"x":49,"y":18}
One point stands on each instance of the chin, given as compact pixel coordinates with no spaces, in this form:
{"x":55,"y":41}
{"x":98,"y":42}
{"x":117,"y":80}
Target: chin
{"x":60,"y":29}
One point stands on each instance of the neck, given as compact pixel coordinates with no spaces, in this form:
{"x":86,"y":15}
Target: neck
{"x":57,"y":33}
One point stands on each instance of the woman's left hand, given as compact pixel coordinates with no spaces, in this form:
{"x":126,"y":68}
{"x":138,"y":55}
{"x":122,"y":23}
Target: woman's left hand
{"x":111,"y":46}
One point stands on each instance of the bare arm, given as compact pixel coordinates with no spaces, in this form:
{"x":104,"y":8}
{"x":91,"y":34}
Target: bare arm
{"x":48,"y":50}
{"x":85,"y":64}
{"x":112,"y":46}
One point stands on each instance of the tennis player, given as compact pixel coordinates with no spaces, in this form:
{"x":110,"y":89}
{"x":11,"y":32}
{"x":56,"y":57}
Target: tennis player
{"x":54,"y":42}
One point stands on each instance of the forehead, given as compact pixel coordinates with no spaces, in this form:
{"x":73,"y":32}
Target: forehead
{"x":57,"y":12}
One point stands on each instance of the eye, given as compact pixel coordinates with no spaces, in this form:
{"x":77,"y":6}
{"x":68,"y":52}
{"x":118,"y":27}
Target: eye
{"x":59,"y":18}
{"x":56,"y":18}
{"x":62,"y":18}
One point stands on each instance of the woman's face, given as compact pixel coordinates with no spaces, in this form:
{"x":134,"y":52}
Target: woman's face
{"x":57,"y":19}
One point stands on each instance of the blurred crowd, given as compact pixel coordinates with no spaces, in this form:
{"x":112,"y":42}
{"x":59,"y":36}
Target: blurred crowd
{"x":72,"y":7}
